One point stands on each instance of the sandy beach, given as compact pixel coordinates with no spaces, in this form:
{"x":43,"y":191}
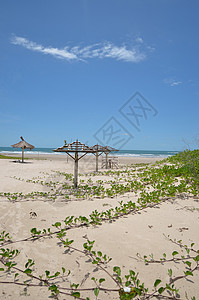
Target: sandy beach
{"x":142,"y":232}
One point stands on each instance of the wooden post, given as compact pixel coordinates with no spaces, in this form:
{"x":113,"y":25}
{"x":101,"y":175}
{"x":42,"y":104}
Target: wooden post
{"x":22,"y":155}
{"x":76,"y":170}
{"x":109,"y":163}
{"x":97,"y":161}
{"x":106,"y":160}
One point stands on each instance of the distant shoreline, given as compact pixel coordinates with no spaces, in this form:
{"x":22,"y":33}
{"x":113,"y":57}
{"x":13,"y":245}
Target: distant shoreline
{"x":123,"y":160}
{"x":121,"y":153}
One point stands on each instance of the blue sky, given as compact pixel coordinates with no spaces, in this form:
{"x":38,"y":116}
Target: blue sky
{"x":123,"y":73}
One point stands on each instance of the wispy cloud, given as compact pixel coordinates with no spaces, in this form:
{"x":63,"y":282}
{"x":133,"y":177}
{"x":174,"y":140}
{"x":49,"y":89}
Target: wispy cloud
{"x":77,"y":53}
{"x":139,"y":40}
{"x":172,"y":82}
{"x":176,"y":83}
{"x":59,"y":53}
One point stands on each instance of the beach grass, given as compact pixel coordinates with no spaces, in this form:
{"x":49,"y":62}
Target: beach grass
{"x":13,"y":157}
{"x":8,"y":157}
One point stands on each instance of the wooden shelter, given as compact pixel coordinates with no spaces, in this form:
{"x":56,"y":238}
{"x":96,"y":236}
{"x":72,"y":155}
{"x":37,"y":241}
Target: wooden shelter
{"x":107,"y":150}
{"x":23,"y":145}
{"x":98,"y":151}
{"x":113,"y":162}
{"x":76,"y":148}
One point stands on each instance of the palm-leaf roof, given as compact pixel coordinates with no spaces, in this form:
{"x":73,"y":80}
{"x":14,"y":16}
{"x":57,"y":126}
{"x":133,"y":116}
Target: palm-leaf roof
{"x":23,"y":144}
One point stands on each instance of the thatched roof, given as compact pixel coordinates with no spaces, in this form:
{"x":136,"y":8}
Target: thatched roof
{"x":23,"y":144}
{"x":76,"y":146}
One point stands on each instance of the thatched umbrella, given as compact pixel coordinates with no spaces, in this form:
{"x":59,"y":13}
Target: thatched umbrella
{"x":75,"y":148}
{"x":23,"y":145}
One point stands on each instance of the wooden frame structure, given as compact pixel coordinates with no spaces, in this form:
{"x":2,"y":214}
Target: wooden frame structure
{"x":98,"y":151}
{"x":113,"y":162}
{"x":76,"y":148}
{"x":107,"y":150}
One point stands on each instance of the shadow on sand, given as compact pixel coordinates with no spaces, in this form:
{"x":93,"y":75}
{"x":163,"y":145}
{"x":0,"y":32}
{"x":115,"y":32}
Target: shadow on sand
{"x":20,"y":162}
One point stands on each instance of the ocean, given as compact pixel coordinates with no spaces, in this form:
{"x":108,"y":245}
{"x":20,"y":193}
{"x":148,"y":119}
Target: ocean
{"x":135,"y":153}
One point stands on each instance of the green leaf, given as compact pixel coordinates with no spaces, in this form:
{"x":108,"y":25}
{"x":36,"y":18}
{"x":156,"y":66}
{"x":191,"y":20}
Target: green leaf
{"x":85,"y":246}
{"x":101,"y":280}
{"x":196,"y":258}
{"x":99,"y":253}
{"x":74,"y":285}
{"x":28,"y":271}
{"x":76,"y":294}
{"x":69,"y":242}
{"x":54,"y":289}
{"x":57,"y":224}
{"x":117,"y":270}
{"x":187,"y":250}
{"x":96,"y":292}
{"x":168,"y":287}
{"x":157,"y":282}
{"x":57,"y":274}
{"x":170,"y":272}
{"x":132,"y":273}
{"x":188,"y":263}
{"x":127,"y":283}
{"x":175,"y":253}
{"x":1,"y":269}
{"x":34,"y":231}
{"x":161,"y":290}
{"x":29,"y":263}
{"x":188,"y":273}
{"x":63,"y":270}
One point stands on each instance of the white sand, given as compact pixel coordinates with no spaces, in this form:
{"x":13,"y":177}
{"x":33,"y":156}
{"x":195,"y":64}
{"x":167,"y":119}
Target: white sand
{"x":136,"y":233}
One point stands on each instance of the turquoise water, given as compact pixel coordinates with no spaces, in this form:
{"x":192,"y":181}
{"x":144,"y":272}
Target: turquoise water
{"x":135,"y":153}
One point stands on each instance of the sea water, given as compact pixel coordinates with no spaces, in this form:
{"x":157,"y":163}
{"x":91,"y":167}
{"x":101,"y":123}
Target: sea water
{"x":130,"y":153}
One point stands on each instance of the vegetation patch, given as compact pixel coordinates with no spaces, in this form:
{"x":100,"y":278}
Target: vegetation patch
{"x":8,"y":157}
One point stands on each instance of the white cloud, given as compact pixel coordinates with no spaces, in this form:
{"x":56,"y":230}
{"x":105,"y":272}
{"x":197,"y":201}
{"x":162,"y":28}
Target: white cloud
{"x":139,"y":40}
{"x":77,"y":53}
{"x":172,"y":82}
{"x":176,"y":83}
{"x":59,"y":53}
